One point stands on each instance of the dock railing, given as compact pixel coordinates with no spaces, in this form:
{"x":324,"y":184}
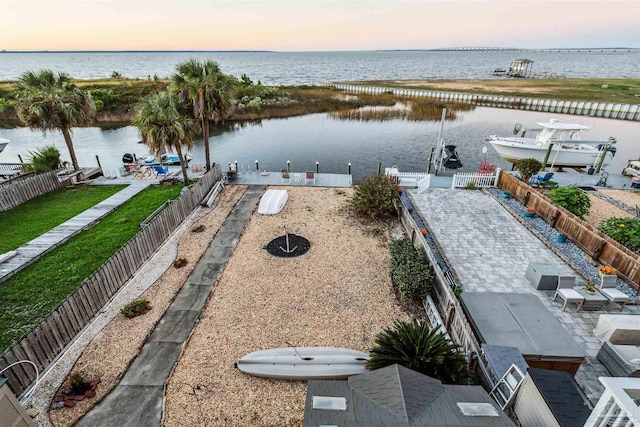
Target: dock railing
{"x":479,"y":180}
{"x":50,"y":337}
{"x":593,"y":242}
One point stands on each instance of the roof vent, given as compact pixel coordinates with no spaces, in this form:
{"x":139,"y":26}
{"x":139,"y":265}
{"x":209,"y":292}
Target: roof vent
{"x":471,"y":409}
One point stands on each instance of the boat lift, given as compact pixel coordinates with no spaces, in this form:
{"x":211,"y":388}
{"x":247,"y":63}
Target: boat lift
{"x":443,"y":156}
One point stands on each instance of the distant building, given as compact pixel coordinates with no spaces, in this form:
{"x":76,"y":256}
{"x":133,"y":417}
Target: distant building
{"x":395,"y":396}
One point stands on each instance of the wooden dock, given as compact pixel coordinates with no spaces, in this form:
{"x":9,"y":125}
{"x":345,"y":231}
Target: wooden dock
{"x":296,"y":179}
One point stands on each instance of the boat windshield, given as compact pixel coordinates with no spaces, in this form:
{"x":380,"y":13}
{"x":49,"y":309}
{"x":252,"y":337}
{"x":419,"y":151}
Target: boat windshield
{"x":551,"y":135}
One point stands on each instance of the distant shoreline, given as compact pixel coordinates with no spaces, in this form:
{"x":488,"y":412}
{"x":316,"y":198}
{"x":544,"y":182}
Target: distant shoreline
{"x":440,"y":49}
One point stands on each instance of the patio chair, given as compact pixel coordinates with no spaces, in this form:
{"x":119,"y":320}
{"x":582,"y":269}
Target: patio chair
{"x":310,"y":177}
{"x":285,"y":177}
{"x":608,"y":289}
{"x":161,"y":170}
{"x":566,"y":292}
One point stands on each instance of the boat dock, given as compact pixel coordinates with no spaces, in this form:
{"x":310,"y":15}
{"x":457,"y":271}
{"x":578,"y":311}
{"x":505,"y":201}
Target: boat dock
{"x":295,"y":179}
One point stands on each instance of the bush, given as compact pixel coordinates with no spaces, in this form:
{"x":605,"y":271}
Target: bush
{"x":44,"y":160}
{"x":375,"y":196}
{"x":528,"y":168}
{"x":136,"y":308}
{"x":625,"y":231}
{"x":410,"y":270}
{"x":572,"y":199}
{"x":180,"y":262}
{"x":105,"y":99}
{"x":471,"y":185}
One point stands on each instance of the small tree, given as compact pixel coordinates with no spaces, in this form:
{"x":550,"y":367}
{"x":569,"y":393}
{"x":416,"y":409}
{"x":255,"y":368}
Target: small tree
{"x":416,"y":346}
{"x":625,"y":231}
{"x":528,"y":168}
{"x":375,"y":196}
{"x":572,"y":199}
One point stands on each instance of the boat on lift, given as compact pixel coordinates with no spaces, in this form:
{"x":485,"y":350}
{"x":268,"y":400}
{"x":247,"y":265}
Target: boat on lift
{"x":567,"y":147}
{"x":165,"y":159}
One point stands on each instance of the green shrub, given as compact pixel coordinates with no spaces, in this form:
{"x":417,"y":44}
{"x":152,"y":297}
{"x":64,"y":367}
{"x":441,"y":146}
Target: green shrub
{"x":625,"y":231}
{"x":180,"y":262}
{"x":528,"y":168}
{"x":471,"y":185}
{"x":135,"y":308}
{"x":572,"y":199}
{"x":410,"y":270}
{"x":44,"y":159}
{"x":375,"y":196}
{"x":105,"y":99}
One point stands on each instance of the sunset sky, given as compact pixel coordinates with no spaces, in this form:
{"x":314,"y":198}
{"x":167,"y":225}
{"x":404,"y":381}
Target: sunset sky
{"x":314,"y":25}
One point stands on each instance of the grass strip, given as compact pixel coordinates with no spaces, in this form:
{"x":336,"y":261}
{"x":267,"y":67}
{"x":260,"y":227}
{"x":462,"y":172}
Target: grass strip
{"x":37,"y":216}
{"x":35,"y":291}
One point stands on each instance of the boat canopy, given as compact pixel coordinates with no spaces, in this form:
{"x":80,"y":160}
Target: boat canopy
{"x":556,"y":125}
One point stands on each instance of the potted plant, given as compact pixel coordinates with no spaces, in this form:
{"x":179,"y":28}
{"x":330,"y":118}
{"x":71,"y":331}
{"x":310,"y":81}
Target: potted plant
{"x":606,"y":270}
{"x":562,"y":238}
{"x":590,"y":287}
{"x":530,"y":212}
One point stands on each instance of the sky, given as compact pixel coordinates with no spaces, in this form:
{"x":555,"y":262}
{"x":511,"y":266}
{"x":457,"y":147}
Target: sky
{"x":315,"y":25}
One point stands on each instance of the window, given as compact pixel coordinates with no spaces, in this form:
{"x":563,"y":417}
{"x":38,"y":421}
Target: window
{"x":471,"y":409}
{"x":330,"y":403}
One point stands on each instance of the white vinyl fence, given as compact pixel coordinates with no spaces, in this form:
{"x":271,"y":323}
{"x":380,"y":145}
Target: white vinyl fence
{"x":481,"y":180}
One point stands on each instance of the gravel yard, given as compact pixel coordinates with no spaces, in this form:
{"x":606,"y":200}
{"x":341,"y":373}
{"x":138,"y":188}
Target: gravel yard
{"x":337,"y":294}
{"x":601,"y":210}
{"x":111,"y":352}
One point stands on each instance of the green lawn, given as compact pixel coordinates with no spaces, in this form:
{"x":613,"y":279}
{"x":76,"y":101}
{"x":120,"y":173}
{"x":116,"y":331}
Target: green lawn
{"x":29,"y":220}
{"x":35,"y":291}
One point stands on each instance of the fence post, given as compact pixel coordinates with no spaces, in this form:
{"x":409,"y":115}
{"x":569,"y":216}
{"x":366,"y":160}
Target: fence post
{"x":349,"y":168}
{"x":288,"y":166}
{"x":317,"y":167}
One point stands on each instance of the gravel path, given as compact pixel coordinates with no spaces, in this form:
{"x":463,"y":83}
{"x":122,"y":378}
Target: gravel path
{"x":109,"y":354}
{"x":337,"y":294}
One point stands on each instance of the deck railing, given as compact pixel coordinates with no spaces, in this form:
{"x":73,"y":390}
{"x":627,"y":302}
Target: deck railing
{"x":479,"y":180}
{"x":48,"y":339}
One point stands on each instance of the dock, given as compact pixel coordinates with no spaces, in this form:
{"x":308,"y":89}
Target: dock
{"x":334,"y":180}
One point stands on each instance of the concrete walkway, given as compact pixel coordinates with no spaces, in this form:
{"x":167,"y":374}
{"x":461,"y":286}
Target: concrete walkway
{"x":31,"y":251}
{"x":137,"y":399}
{"x":490,"y":252}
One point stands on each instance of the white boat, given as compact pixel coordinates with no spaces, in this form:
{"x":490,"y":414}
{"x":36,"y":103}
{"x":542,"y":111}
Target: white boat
{"x":568,"y":148}
{"x":304,"y":363}
{"x":272,"y":202}
{"x":3,"y":144}
{"x":632,"y":169}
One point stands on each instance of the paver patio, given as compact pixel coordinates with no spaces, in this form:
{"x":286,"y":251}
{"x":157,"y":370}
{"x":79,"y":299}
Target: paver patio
{"x":490,"y":250}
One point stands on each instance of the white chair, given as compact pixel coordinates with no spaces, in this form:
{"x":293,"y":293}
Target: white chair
{"x":566,"y":292}
{"x":310,"y":176}
{"x":285,"y":177}
{"x":608,"y":290}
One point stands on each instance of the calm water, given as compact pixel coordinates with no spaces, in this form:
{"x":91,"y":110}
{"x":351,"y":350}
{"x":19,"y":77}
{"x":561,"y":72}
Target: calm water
{"x":333,"y":143}
{"x":293,"y":68}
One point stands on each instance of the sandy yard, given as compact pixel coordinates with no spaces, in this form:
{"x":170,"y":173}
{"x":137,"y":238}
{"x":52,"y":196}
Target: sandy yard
{"x":338,"y":294}
{"x":601,"y":210}
{"x":111,"y":352}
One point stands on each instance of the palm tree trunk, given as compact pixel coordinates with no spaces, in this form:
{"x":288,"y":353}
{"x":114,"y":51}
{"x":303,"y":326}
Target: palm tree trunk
{"x":205,"y":131}
{"x":72,"y":153}
{"x":182,"y":164}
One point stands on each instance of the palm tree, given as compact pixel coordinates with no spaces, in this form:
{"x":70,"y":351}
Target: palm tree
{"x":50,"y":101}
{"x":416,"y":346}
{"x":163,"y":128}
{"x":208,"y":90}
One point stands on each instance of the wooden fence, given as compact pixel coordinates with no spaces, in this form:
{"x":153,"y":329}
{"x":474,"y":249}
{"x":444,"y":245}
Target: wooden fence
{"x":17,"y":191}
{"x":598,"y":245}
{"x":47,"y":340}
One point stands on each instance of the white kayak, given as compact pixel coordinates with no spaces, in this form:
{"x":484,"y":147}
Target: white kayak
{"x":304,"y":363}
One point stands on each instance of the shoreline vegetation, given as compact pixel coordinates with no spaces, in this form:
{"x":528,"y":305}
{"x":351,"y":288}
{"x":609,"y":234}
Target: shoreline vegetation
{"x":116,"y":97}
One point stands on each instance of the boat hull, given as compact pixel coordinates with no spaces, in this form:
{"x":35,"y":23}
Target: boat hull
{"x":316,"y":363}
{"x":513,"y":152}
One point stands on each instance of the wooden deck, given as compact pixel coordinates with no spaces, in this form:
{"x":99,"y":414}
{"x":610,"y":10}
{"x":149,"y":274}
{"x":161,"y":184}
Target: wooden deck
{"x":296,"y":179}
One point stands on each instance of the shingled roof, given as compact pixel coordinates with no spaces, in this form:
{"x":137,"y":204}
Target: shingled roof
{"x":395,"y":396}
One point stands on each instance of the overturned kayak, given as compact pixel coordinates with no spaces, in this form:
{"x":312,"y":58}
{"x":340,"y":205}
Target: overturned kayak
{"x":304,"y":363}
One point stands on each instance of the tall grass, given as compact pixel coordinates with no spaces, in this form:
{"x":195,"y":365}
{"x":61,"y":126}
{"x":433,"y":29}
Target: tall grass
{"x":416,"y":111}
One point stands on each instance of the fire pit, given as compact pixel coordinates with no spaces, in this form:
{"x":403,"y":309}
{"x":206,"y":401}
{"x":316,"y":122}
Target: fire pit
{"x":289,"y":245}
